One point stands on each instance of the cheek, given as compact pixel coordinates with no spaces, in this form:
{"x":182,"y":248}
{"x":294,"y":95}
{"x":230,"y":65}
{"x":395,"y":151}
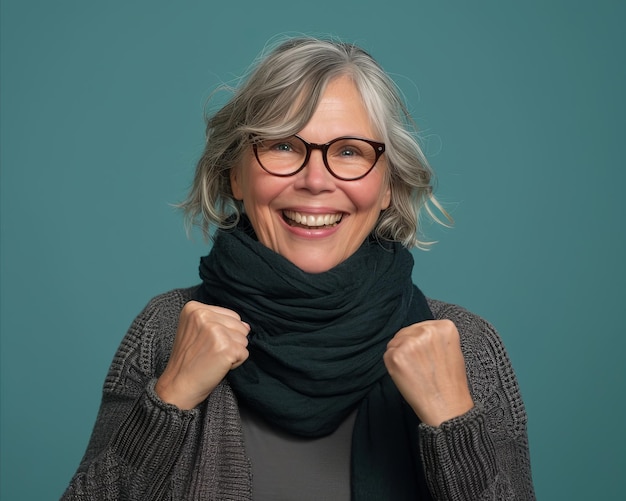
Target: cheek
{"x":259,"y":192}
{"x":372,"y":197}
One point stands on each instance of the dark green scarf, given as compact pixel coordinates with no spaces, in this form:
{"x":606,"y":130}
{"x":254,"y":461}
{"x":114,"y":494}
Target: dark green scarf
{"x":316,"y":350}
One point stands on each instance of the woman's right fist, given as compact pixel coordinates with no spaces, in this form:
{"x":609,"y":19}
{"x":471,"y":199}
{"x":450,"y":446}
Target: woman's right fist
{"x":210,"y":341}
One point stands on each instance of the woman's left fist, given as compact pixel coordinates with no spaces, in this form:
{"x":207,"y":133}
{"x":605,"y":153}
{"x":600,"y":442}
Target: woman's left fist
{"x":426,"y":364}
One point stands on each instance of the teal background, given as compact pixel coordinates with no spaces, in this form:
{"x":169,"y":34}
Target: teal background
{"x":522,"y":108}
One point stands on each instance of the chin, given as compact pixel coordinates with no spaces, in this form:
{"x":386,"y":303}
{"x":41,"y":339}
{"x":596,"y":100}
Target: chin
{"x":315,"y":268}
{"x":315,"y":265}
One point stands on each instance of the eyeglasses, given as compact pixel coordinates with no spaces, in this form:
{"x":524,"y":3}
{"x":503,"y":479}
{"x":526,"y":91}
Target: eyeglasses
{"x":346,"y":158}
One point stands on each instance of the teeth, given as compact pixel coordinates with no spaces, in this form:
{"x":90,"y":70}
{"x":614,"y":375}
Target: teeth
{"x":312,"y":220}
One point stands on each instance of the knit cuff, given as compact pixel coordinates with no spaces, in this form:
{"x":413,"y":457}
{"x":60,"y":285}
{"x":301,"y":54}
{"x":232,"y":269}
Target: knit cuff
{"x":151,"y":437}
{"x":459,"y":457}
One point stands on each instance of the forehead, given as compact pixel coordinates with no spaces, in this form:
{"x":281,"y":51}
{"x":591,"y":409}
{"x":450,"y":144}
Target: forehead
{"x":340,"y":111}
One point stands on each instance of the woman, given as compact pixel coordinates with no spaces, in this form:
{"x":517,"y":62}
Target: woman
{"x":307,"y":365}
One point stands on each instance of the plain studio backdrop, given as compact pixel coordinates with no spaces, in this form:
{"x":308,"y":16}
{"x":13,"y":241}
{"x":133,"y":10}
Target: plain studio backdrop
{"x":521,"y":109}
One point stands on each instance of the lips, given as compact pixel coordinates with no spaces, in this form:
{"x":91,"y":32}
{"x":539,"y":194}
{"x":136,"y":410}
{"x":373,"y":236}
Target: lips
{"x":294,"y":218}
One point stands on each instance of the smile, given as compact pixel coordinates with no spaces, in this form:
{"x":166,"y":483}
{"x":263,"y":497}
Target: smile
{"x":294,"y":218}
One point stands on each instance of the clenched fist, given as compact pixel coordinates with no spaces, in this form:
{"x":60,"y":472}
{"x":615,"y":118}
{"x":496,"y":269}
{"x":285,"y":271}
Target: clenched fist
{"x":426,"y":364}
{"x":210,"y":341}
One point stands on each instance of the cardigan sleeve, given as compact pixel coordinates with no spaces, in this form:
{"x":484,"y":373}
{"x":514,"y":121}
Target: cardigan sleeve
{"x":483,"y":454}
{"x":137,"y":438}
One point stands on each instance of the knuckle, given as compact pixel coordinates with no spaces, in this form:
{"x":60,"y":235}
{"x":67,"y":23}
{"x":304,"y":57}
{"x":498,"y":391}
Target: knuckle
{"x":446,"y":321}
{"x":194,"y":312}
{"x":201,"y":317}
{"x":189,"y":307}
{"x":220,"y":345}
{"x":390,"y":360}
{"x":395,"y":356}
{"x":450,"y":331}
{"x":447,"y":324}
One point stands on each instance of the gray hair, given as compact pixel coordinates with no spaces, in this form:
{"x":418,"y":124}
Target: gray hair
{"x":278,"y":98}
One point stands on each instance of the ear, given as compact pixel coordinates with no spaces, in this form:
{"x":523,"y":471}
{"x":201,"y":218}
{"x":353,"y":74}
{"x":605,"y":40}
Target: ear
{"x":385,"y":201}
{"x":235,"y":184}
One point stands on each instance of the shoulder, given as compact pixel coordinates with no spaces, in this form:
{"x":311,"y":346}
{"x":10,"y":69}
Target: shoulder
{"x":490,"y":374}
{"x":144,"y":350}
{"x":159,"y":319}
{"x":474,"y":330}
{"x":166,"y":305}
{"x":459,"y":315}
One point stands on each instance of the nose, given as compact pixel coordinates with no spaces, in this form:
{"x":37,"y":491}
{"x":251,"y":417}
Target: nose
{"x":315,"y":176}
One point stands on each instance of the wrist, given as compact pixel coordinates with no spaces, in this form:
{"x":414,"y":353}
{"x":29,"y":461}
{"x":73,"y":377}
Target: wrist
{"x":440,"y":412}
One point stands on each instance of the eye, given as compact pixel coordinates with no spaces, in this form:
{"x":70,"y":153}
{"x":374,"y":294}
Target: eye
{"x":278,"y":146}
{"x":349,"y":151}
{"x":348,"y":148}
{"x":281,"y":146}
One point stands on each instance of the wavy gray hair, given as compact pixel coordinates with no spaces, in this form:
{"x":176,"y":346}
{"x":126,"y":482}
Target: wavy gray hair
{"x":278,"y":98}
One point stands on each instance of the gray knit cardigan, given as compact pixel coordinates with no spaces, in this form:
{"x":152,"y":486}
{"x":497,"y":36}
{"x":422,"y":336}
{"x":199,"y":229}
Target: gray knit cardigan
{"x":144,"y":449}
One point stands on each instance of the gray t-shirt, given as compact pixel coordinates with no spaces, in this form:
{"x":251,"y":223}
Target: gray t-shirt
{"x":286,"y":467}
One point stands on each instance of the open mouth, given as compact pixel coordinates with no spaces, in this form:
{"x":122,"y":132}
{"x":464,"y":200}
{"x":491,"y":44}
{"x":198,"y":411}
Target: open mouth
{"x":311,"y":221}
